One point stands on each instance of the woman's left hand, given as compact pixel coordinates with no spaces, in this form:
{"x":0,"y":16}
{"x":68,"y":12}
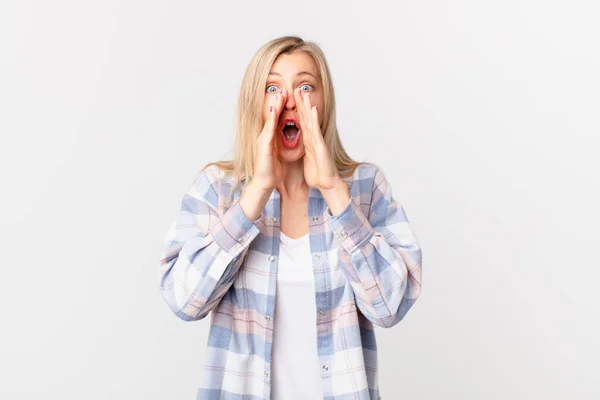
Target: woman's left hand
{"x":319,"y":169}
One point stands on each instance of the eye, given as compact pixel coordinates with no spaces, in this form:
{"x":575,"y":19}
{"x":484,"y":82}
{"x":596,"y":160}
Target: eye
{"x":303,"y":87}
{"x":272,"y":87}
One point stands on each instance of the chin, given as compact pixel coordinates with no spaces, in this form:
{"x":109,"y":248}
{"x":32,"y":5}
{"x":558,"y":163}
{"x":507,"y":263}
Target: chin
{"x":288,"y":156}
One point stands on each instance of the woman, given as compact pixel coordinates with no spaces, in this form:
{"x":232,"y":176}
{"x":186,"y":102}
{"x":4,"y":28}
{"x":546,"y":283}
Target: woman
{"x":297,"y":249}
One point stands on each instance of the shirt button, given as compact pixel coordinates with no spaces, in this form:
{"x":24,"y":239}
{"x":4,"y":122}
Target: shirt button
{"x":343,"y":234}
{"x":271,"y":258}
{"x":273,"y":219}
{"x":315,"y":218}
{"x":325,"y":368}
{"x":317,"y":256}
{"x":322,"y":312}
{"x":240,"y":240}
{"x":267,"y":318}
{"x":267,"y":373}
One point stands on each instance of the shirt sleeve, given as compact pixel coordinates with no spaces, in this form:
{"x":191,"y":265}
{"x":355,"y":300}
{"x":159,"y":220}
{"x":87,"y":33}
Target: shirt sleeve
{"x":203,"y":250}
{"x":384,"y":268}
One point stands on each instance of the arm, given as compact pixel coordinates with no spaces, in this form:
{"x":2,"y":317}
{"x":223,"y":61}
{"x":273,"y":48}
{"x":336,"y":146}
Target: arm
{"x":384,"y":267}
{"x":205,"y":249}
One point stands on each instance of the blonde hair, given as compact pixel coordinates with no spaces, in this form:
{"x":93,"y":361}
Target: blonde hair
{"x":249,"y":121}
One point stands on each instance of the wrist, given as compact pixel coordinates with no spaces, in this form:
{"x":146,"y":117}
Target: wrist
{"x":337,"y":197}
{"x":258,"y":186}
{"x":253,"y":199}
{"x":258,"y":189}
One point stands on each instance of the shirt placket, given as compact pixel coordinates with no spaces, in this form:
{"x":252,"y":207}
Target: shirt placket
{"x":318,"y":246}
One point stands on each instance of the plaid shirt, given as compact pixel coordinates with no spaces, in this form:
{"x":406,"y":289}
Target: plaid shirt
{"x":367,"y":271}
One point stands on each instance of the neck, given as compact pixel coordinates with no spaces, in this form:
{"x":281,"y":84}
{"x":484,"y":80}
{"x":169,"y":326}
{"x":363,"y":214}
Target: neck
{"x":293,"y":185}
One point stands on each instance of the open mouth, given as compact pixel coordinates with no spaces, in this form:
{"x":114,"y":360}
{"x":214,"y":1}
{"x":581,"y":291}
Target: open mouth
{"x":290,"y":133}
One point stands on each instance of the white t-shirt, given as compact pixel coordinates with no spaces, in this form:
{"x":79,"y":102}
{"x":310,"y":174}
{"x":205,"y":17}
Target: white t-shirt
{"x":295,"y":362}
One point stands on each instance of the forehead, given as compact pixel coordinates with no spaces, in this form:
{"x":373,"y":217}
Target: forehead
{"x":291,"y":64}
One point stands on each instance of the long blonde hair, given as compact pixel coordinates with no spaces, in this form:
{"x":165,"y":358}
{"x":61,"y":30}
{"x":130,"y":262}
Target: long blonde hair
{"x":249,"y":121}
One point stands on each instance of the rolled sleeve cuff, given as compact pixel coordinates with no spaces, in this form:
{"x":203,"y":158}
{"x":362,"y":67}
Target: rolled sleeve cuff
{"x":234,"y":230}
{"x":351,"y":227}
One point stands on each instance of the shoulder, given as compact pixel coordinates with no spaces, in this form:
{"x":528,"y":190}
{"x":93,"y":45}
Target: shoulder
{"x":211,"y":184}
{"x":366,"y":177}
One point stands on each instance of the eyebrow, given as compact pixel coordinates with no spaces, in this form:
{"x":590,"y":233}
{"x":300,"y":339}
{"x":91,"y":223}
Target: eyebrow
{"x":298,"y":74}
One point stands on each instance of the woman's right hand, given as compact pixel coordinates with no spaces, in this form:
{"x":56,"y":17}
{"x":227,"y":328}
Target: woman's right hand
{"x":267,"y":167}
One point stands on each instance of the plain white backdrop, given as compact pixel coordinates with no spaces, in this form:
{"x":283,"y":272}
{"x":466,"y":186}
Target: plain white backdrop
{"x":483,"y":115}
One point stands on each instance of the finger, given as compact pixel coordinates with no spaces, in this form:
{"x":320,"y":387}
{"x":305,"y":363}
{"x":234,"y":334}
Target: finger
{"x":313,"y":128}
{"x":299,"y":102}
{"x":274,"y":112}
{"x":279,"y":102}
{"x":315,"y":121}
{"x":306,"y":102}
{"x":277,"y":110}
{"x":284,"y":95}
{"x":304,"y":116}
{"x":268,"y":129}
{"x":307,"y":109}
{"x":307,"y":140}
{"x":271,"y":119}
{"x":309,"y":114}
{"x":307,"y":135}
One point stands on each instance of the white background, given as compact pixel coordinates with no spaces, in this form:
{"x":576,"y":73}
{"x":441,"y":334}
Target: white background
{"x":483,"y":115}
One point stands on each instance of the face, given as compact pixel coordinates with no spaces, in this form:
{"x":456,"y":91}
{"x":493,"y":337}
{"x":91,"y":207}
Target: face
{"x":291,"y":71}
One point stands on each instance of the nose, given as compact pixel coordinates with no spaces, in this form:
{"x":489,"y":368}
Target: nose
{"x":290,"y":102}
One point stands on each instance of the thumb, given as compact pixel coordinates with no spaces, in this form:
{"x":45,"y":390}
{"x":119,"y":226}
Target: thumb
{"x":275,"y":112}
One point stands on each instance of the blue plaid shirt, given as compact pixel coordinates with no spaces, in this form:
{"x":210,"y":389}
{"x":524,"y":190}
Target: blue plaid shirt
{"x":367,"y":271}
